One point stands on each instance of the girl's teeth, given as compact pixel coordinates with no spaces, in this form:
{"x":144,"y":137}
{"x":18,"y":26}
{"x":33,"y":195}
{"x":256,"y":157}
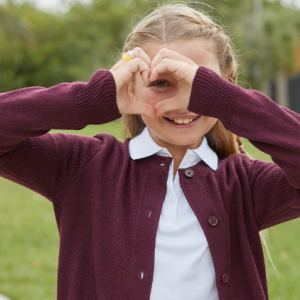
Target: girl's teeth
{"x":181,"y":121}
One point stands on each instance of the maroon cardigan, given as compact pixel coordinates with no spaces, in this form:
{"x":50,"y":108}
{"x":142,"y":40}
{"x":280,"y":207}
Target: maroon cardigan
{"x":102,"y":199}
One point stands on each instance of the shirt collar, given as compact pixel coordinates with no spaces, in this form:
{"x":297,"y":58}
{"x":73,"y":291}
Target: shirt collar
{"x":143,"y":146}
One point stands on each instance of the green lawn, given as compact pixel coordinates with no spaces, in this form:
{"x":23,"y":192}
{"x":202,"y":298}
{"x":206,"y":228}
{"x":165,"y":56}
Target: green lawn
{"x":29,"y":241}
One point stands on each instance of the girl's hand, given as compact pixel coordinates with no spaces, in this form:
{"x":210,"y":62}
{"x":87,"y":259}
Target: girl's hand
{"x":123,"y":73}
{"x":182,"y":69}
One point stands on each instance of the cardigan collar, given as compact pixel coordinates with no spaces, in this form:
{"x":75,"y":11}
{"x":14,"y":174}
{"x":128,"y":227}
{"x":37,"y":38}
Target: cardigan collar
{"x":143,"y":146}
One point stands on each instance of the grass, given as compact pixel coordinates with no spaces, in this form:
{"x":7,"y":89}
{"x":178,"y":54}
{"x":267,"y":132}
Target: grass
{"x":29,"y":240}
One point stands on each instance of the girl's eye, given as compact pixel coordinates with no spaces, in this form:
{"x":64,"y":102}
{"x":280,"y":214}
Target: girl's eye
{"x":159,"y":81}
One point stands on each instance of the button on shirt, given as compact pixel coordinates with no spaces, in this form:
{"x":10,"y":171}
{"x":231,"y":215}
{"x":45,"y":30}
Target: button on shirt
{"x":183,"y":267}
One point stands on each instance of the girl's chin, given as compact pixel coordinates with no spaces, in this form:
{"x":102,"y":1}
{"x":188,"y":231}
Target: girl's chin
{"x":181,"y":141}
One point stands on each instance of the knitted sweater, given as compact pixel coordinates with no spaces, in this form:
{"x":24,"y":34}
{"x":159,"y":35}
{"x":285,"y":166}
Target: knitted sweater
{"x":107,"y":205}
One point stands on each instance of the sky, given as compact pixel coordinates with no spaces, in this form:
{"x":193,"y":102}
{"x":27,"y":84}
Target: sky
{"x":51,"y":5}
{"x":292,"y":2}
{"x":62,"y":5}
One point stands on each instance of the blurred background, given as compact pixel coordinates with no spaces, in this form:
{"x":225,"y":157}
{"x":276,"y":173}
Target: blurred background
{"x":43,"y":43}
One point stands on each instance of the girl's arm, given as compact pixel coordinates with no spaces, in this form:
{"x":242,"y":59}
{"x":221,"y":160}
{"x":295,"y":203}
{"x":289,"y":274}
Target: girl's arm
{"x":41,"y":161}
{"x":271,"y":128}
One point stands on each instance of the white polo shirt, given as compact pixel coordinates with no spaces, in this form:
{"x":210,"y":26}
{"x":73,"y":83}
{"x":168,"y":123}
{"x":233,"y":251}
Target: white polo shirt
{"x":183,"y":267}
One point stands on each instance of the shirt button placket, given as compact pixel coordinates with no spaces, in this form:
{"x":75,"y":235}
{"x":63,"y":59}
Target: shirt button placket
{"x":149,"y":215}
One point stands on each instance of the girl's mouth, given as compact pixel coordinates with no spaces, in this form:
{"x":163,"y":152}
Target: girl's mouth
{"x":182,"y":125}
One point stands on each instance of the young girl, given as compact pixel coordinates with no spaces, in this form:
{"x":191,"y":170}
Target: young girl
{"x":174,"y":211}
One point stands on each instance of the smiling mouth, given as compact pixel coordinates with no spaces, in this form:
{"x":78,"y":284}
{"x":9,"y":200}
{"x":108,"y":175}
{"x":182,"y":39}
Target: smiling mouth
{"x":181,"y":121}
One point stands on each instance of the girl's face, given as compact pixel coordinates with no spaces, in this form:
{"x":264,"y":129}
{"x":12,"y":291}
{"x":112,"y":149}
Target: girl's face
{"x":165,"y":86}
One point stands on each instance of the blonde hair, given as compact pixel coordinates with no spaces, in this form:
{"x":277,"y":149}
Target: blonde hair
{"x":178,"y":21}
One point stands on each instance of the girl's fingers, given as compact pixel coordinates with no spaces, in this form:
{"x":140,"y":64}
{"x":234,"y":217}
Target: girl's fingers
{"x":139,"y":52}
{"x":135,"y":65}
{"x":127,"y":72}
{"x":140,"y":55}
{"x":180,"y":70}
{"x":167,"y":53}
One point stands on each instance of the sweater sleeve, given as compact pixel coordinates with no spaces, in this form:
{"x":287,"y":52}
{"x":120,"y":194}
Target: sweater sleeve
{"x":271,"y":128}
{"x":43,"y":161}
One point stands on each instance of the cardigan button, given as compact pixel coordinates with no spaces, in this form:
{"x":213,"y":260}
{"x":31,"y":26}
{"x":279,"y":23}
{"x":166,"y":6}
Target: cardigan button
{"x":189,"y":173}
{"x":225,"y":278}
{"x":213,"y":221}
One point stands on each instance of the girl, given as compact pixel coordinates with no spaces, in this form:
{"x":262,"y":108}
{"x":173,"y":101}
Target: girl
{"x":128,"y":229}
